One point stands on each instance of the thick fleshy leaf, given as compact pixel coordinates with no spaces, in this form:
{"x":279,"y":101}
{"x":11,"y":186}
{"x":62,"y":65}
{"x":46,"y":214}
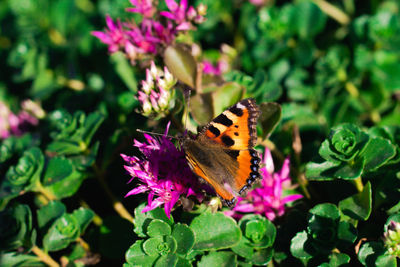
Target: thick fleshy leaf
{"x":218,"y":258}
{"x":57,"y":168}
{"x":377,"y":152}
{"x":270,"y":116}
{"x":225,"y":96}
{"x":358,"y":206}
{"x":158,"y":228}
{"x":337,"y":260}
{"x":142,"y":220}
{"x":63,"y":231}
{"x":300,"y":246}
{"x":262,"y":256}
{"x":84,"y":217}
{"x":184,"y":237}
{"x":243,"y":249}
{"x":369,"y":252}
{"x":166,"y":260}
{"x":181,"y":64}
{"x":346,"y":234}
{"x":135,"y":255}
{"x":160,"y":245}
{"x":201,"y":108}
{"x":16,"y":228}
{"x":307,"y":19}
{"x":46,"y":215}
{"x":215,"y":231}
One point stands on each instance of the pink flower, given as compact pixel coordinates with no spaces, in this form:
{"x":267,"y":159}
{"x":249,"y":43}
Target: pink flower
{"x":163,"y":173}
{"x":209,"y":68}
{"x":18,"y":124}
{"x":114,"y":36}
{"x":144,"y":7}
{"x":182,"y":15}
{"x":267,"y":200}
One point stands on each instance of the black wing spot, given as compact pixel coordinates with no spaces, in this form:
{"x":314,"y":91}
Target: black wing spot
{"x":227,"y":140}
{"x":236,"y":133}
{"x":237,"y":111}
{"x":232,"y":153}
{"x":224,"y":120}
{"x":214,"y":130}
{"x":236,"y":126}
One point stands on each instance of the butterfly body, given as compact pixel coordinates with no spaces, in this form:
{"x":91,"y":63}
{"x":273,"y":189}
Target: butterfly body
{"x":222,"y":153}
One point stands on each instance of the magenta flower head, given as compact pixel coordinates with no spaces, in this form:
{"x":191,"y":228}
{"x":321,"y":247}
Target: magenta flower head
{"x":163,"y":173}
{"x":114,"y":36}
{"x":184,"y":15}
{"x":267,"y":199}
{"x":144,"y":7}
{"x":18,"y":124}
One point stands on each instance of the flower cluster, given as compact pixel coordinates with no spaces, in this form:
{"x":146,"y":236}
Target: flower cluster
{"x":267,"y":200}
{"x":148,"y":37}
{"x":392,"y":238}
{"x":226,"y":58}
{"x":163,"y":173}
{"x":17,"y":124}
{"x":155,"y":94}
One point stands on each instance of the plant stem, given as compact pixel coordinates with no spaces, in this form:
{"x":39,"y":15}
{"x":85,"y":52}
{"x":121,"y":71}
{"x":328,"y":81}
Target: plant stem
{"x":97,"y":220}
{"x":117,"y":205}
{"x":44,"y":192}
{"x":44,"y":257}
{"x":358,"y":184}
{"x":333,"y":11}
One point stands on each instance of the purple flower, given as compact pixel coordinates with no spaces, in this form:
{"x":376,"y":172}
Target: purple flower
{"x":163,"y":173}
{"x":18,"y":124}
{"x":182,"y":15}
{"x":209,"y":68}
{"x":114,"y":36}
{"x":144,"y":7}
{"x":267,"y":200}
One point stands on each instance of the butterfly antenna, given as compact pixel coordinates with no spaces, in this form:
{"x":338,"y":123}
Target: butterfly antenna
{"x":152,"y":133}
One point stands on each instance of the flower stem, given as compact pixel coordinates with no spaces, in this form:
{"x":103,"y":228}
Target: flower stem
{"x":117,"y":205}
{"x":44,"y":257}
{"x":333,"y":11}
{"x":358,"y":184}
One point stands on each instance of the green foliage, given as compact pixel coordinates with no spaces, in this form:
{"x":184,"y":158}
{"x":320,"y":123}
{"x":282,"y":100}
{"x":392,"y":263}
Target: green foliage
{"x":325,"y":231}
{"x":325,"y":74}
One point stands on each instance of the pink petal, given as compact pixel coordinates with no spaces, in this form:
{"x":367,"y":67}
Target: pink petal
{"x":291,"y":198}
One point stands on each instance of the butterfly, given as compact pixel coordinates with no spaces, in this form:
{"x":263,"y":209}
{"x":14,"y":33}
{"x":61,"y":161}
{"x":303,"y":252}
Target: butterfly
{"x":222,"y":152}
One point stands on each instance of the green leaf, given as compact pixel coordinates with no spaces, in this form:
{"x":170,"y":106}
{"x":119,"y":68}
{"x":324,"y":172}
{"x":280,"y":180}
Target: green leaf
{"x":84,"y":217}
{"x":259,"y":232}
{"x":218,"y":258}
{"x":369,"y":252}
{"x":386,"y":260}
{"x":160,"y":245}
{"x":358,"y":206}
{"x":23,"y":176}
{"x":142,"y":220}
{"x":202,"y":108}
{"x":181,"y":64}
{"x":184,"y":237}
{"x":124,"y":70}
{"x":262,"y":256}
{"x":13,"y":259}
{"x":57,"y":168}
{"x":166,"y":260}
{"x":326,"y":210}
{"x":136,"y":256}
{"x":300,"y":246}
{"x":158,"y":228}
{"x":215,"y":231}
{"x":377,"y":152}
{"x":225,"y":96}
{"x":16,"y":228}
{"x":244,"y":249}
{"x":307,"y":19}
{"x":270,"y":116}
{"x":63,"y":231}
{"x":67,"y":186}
{"x":346,"y":234}
{"x":337,"y":260}
{"x":46,"y":215}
